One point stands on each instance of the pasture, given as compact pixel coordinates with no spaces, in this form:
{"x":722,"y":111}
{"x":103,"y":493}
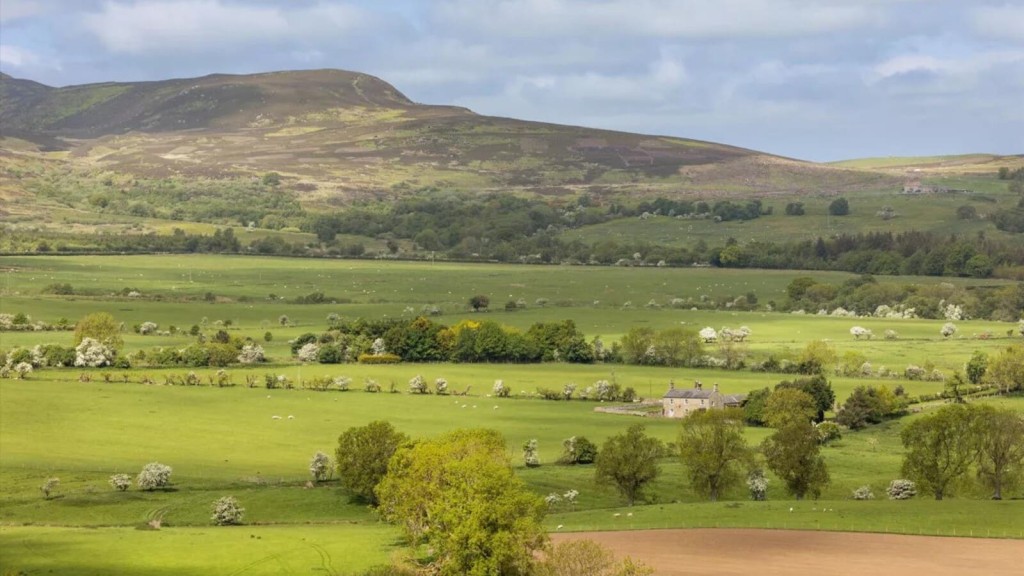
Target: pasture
{"x":222,"y":441}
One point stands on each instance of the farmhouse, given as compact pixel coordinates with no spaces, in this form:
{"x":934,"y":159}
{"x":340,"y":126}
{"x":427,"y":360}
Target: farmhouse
{"x":678,"y":402}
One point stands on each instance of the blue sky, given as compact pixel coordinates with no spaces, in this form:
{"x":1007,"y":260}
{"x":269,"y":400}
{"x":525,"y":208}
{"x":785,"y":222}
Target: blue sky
{"x":812,"y":79}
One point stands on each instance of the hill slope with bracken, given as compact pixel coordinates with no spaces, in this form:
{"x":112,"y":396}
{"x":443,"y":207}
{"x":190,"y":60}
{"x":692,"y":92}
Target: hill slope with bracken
{"x":334,"y":134}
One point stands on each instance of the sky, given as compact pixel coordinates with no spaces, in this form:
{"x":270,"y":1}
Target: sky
{"x":818,"y":80}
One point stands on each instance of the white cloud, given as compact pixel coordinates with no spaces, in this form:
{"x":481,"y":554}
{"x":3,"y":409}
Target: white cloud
{"x":962,"y":67}
{"x":168,"y":26}
{"x":16,"y":56}
{"x":1004,"y":22}
{"x":661,"y":18}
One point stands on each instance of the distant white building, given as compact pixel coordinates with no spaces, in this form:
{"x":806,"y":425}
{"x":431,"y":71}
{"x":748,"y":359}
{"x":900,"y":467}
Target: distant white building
{"x":678,"y":402}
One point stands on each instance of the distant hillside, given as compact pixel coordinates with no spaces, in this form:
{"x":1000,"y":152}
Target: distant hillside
{"x":332,"y":134}
{"x":938,"y":165}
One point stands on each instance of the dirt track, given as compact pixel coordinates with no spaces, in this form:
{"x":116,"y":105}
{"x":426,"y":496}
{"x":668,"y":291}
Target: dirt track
{"x":724,"y":552}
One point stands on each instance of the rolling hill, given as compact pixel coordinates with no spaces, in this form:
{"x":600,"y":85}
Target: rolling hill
{"x":334,"y":134}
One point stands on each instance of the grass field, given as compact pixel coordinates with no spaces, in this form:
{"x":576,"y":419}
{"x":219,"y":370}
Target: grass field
{"x":223,"y":441}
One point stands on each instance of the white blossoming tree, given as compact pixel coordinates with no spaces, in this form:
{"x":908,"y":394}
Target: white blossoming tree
{"x":708,"y":335}
{"x":227,"y":512}
{"x":120,"y":482}
{"x":859,"y":332}
{"x":321,"y":466}
{"x":93,"y":354}
{"x":309,"y":352}
{"x":153,"y":475}
{"x":500,"y":390}
{"x":948,"y":329}
{"x":251,"y":353}
{"x":418,"y":385}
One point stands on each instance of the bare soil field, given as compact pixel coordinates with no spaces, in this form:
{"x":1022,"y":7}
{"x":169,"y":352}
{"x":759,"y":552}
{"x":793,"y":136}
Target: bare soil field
{"x":722,"y":552}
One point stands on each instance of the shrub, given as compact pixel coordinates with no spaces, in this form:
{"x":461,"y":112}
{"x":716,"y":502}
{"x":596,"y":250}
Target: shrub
{"x":500,"y":390}
{"x":22,"y":369}
{"x":827,"y":432}
{"x":308,"y":352}
{"x":578,"y":450}
{"x":251,"y":353}
{"x":863,"y":493}
{"x":371,"y":385}
{"x":153,"y":475}
{"x":578,"y":557}
{"x":891,"y":335}
{"x":901,"y":489}
{"x":49,"y":486}
{"x":330,"y":354}
{"x":92,"y":353}
{"x":321,"y":466}
{"x":148,"y":328}
{"x":757,"y":485}
{"x":120,"y":482}
{"x":418,"y":385}
{"x":530,"y":456}
{"x":948,"y":329}
{"x":227,"y":512}
{"x":441,"y":386}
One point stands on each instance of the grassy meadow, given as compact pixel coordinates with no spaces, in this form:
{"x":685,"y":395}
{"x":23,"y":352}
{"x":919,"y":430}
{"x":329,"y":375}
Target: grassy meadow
{"x":222,"y":441}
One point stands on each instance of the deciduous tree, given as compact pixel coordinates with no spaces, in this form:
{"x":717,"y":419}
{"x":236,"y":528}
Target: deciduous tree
{"x":712,"y":448}
{"x":792,"y":452}
{"x":101,"y":327}
{"x":1000,"y":448}
{"x":362,"y":457}
{"x":940,"y":448}
{"x":458,"y":495}
{"x":629,"y":461}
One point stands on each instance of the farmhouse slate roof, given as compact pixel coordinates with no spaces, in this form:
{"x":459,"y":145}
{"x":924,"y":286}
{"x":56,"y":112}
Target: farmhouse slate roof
{"x":701,"y":394}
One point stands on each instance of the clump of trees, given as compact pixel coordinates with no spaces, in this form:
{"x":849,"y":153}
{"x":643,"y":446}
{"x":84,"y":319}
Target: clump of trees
{"x":870,"y":405}
{"x":944,"y":447}
{"x":458,"y":496}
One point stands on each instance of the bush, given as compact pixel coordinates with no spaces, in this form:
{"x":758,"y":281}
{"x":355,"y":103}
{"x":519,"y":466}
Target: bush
{"x":901,"y":489}
{"x":827,"y":432}
{"x":757,"y":485}
{"x":500,"y":390}
{"x":227,"y":512}
{"x":530,"y":456}
{"x":120,"y":482}
{"x":49,"y":486}
{"x":321,"y":466}
{"x":153,"y":475}
{"x":578,"y":450}
{"x":863,"y":493}
{"x":418,"y":385}
{"x":251,"y":354}
{"x":91,"y":353}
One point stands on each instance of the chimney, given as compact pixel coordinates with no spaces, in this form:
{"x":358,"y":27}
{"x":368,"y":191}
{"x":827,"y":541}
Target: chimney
{"x":697,"y":384}
{"x":716,"y":387}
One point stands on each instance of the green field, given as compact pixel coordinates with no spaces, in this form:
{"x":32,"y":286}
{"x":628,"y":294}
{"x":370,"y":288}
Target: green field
{"x":223,"y":441}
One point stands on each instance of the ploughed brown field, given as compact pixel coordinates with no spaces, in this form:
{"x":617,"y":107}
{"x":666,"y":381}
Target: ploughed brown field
{"x":723,"y":552}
